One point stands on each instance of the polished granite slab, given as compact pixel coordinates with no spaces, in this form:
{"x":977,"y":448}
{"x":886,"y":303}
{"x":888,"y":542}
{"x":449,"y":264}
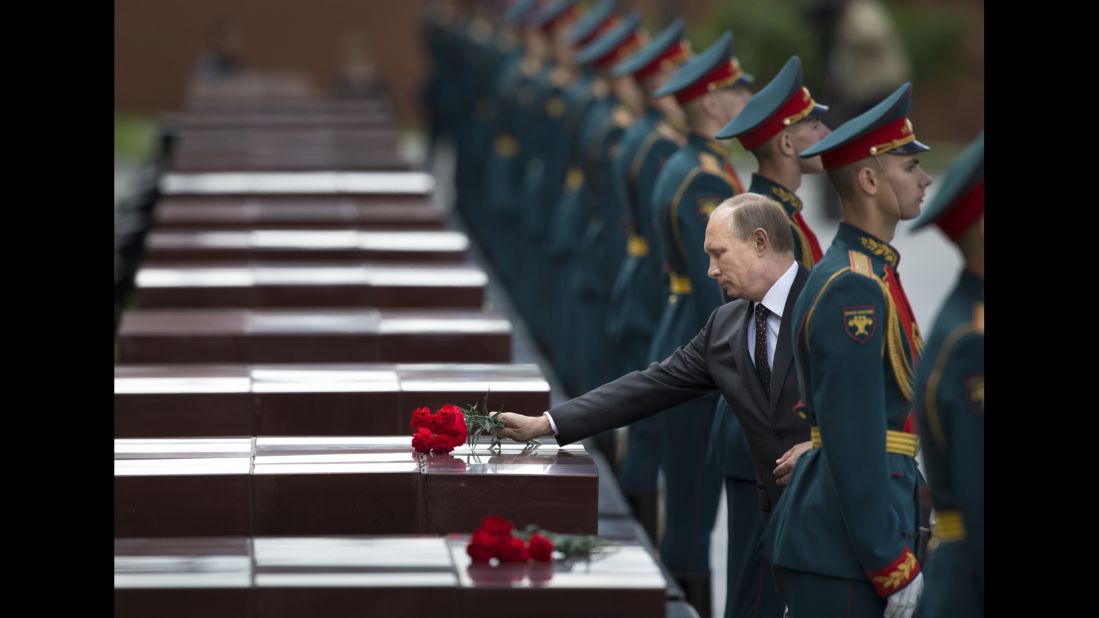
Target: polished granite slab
{"x":178,"y":213}
{"x":336,"y":284}
{"x":179,"y":400}
{"x":312,"y":336}
{"x":345,"y":575}
{"x":403,"y":183}
{"x":306,"y":246}
{"x":285,"y":485}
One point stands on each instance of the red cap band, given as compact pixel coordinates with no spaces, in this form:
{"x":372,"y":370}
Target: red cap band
{"x":670,"y":59}
{"x":724,"y":74}
{"x":798,"y":106}
{"x":881,"y":140}
{"x":964,"y":212}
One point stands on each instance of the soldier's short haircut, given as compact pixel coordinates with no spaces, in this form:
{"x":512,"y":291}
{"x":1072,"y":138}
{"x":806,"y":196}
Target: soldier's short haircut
{"x":767,"y":149}
{"x":845,"y":179}
{"x":752,"y":210}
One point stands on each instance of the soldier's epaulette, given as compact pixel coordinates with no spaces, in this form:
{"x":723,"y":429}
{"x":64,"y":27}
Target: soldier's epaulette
{"x":979,"y":317}
{"x":622,"y":116}
{"x":860,"y":263}
{"x":560,"y":77}
{"x":710,"y":164}
{"x":707,"y":205}
{"x":671,"y":133}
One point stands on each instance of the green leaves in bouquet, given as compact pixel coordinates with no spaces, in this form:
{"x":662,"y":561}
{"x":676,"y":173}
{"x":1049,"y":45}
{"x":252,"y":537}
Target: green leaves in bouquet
{"x":479,"y":422}
{"x":573,"y":546}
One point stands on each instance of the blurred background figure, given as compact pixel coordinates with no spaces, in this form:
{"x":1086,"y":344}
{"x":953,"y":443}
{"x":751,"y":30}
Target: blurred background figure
{"x":865,"y":60}
{"x":223,"y":56}
{"x":357,"y":77}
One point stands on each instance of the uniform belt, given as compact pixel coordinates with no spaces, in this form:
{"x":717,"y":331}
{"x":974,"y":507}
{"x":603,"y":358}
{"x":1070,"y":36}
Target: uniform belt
{"x":679,"y":284}
{"x":506,"y":145}
{"x":948,"y":526}
{"x":897,"y":442}
{"x":637,"y":246}
{"x":574,"y":178}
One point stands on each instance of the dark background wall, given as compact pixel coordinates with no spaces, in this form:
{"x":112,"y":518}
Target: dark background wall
{"x":157,"y":43}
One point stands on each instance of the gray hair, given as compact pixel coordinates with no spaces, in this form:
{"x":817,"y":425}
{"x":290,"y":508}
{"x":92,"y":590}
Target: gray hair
{"x":750,"y":211}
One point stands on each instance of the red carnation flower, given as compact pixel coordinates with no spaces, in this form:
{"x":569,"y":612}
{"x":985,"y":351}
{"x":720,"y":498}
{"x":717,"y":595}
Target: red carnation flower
{"x":541,"y":548}
{"x":496,"y":526}
{"x":458,"y":426}
{"x":514,"y":550}
{"x":440,"y":432}
{"x":483,"y":547}
{"x":422,"y":440}
{"x":420,"y":417}
{"x":442,"y":443}
{"x":442,"y":420}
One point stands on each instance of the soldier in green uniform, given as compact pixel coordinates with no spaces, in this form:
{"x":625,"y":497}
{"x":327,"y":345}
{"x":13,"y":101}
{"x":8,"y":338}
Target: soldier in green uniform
{"x":515,"y":150}
{"x":503,"y":170}
{"x":780,"y":122}
{"x":847,"y":526}
{"x":950,"y":401}
{"x":431,"y":90}
{"x":638,"y":295}
{"x":712,"y":89}
{"x":559,"y":179}
{"x":562,"y":91}
{"x":438,"y":91}
{"x":481,"y":57}
{"x":602,"y":242}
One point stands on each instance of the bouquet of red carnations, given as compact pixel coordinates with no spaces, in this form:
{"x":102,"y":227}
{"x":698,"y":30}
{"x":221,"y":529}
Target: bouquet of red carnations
{"x":439,"y":431}
{"x":495,"y":539}
{"x":443,"y":430}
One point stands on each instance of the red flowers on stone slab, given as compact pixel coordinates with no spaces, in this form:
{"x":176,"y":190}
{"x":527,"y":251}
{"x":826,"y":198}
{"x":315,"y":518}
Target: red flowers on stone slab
{"x":497,"y":526}
{"x":541,"y":548}
{"x":438,"y":432}
{"x":494,"y":539}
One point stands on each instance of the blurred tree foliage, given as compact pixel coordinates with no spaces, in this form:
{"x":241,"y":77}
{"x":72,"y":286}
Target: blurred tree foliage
{"x":767,"y":32}
{"x":932,"y":35}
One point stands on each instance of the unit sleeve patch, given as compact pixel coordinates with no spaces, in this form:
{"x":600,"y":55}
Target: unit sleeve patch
{"x":860,"y":322}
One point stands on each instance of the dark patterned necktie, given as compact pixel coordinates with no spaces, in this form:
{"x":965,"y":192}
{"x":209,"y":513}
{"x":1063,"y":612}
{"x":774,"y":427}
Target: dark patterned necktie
{"x":762,"y":367}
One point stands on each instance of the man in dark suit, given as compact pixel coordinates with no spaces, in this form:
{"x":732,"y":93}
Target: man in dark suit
{"x":744,"y":346}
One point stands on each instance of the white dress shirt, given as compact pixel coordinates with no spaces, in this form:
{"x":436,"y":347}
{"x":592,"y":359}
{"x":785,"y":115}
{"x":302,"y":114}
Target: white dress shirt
{"x":775,"y":301}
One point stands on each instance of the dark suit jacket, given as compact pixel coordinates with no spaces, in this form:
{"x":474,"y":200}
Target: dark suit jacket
{"x":717,"y":358}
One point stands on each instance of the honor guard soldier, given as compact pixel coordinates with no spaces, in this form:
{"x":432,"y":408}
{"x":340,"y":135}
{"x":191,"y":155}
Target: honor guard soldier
{"x":563,"y":92}
{"x":950,"y":401}
{"x":712,"y":89}
{"x":562,"y":189}
{"x":548,"y":30}
{"x":482,"y":51}
{"x":602,"y":243}
{"x":847,"y":526}
{"x":779,"y":122}
{"x":637,"y":297}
